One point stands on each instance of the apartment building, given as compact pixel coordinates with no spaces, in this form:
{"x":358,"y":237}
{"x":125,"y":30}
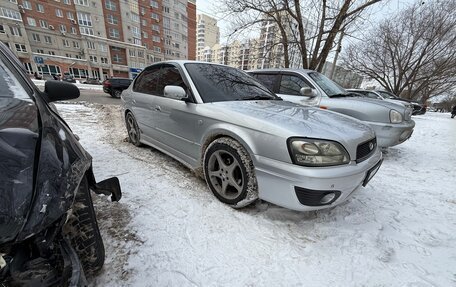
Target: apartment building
{"x":97,"y":38}
{"x":208,"y":34}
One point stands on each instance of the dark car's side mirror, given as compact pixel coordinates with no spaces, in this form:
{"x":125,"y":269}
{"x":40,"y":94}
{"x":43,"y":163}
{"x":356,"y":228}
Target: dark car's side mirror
{"x":175,"y":92}
{"x":59,"y":91}
{"x":308,"y":92}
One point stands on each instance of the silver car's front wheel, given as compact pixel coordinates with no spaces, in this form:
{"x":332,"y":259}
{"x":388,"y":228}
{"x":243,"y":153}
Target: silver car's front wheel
{"x":229,"y":172}
{"x":132,"y":129}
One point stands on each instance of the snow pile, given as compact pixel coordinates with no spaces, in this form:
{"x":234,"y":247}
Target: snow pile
{"x":40,"y":83}
{"x":169,"y":230}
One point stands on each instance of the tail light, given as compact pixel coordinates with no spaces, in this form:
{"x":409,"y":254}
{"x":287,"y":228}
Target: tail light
{"x":107,"y":83}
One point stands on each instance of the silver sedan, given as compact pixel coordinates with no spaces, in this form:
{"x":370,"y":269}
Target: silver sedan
{"x":244,"y":140}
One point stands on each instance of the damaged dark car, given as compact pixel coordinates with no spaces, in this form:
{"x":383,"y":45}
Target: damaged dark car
{"x":49,"y":234}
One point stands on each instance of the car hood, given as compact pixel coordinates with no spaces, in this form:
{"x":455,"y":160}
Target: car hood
{"x":287,"y":119}
{"x":357,"y":100}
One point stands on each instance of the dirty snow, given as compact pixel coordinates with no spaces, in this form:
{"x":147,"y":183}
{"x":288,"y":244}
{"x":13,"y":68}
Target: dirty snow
{"x":169,"y":230}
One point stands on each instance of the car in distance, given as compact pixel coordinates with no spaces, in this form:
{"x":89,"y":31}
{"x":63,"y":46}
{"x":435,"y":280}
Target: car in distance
{"x":245,"y":141}
{"x":67,"y":77}
{"x":92,"y":81}
{"x":115,"y":86}
{"x":418,"y":109}
{"x":376,"y":95}
{"x":391,"y":122}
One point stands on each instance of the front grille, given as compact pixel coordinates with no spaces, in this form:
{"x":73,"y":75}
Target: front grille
{"x":365,"y":149}
{"x":312,"y":197}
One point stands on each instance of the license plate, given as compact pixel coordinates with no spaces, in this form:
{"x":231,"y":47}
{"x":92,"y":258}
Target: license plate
{"x":372,"y":172}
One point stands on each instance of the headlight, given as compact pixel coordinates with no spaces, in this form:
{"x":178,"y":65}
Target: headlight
{"x":315,"y":152}
{"x":395,"y":117}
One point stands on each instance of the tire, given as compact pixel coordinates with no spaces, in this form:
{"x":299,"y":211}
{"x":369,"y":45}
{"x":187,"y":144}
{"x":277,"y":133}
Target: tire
{"x":82,"y":230}
{"x":116,"y":93}
{"x":229,"y":173}
{"x":134,"y":135}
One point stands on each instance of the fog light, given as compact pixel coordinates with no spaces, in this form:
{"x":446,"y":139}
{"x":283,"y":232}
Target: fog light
{"x":405,"y":135}
{"x":328,"y":198}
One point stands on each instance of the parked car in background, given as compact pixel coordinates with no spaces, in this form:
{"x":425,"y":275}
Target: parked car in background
{"x":67,"y":77}
{"x":418,"y":109}
{"x":115,"y":86}
{"x":92,"y":81}
{"x":376,"y":95}
{"x":247,"y":142}
{"x":391,"y":122}
{"x":48,"y":228}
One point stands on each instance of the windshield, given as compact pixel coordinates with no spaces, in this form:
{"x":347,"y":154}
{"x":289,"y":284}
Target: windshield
{"x":216,"y":83}
{"x":328,"y":86}
{"x":387,"y":95}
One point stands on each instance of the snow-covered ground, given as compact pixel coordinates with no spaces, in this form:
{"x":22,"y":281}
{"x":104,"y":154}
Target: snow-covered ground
{"x":169,"y":230}
{"x":40,"y":83}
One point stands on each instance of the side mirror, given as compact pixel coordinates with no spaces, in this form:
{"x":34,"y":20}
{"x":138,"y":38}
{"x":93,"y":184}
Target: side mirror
{"x":58,"y":91}
{"x":308,"y":92}
{"x":175,"y":92}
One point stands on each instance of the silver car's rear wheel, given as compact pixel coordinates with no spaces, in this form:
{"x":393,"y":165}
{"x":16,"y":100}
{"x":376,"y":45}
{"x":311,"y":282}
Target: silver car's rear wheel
{"x":132,"y":129}
{"x":229,"y":172}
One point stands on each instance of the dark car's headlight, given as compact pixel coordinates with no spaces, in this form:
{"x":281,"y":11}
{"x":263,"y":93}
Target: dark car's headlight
{"x":316,"y":152}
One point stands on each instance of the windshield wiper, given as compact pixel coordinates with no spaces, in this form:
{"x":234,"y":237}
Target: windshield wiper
{"x":258,"y":98}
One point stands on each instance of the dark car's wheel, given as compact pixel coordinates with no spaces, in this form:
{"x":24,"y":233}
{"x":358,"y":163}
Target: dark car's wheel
{"x":116,"y":93}
{"x":132,"y":129}
{"x":230,"y":173}
{"x":82,"y":229}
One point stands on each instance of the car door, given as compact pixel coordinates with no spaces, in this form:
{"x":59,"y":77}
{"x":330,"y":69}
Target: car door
{"x":289,"y":89}
{"x":144,"y":92}
{"x":176,"y":120}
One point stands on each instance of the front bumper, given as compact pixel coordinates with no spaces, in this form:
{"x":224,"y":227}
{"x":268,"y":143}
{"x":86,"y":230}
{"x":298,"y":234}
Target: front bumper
{"x":392,"y":134}
{"x":278,"y":182}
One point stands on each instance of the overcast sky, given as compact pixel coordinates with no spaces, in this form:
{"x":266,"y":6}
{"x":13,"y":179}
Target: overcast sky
{"x":380,"y":10}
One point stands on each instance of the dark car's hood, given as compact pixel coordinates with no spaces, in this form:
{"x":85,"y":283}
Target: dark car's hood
{"x":19,"y":135}
{"x":288,"y":119}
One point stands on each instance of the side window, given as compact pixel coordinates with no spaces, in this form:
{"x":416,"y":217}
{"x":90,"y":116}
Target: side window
{"x":267,"y":80}
{"x":169,"y":76}
{"x":147,"y":81}
{"x":291,"y":85}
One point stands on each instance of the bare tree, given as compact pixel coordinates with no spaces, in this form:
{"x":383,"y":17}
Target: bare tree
{"x":306,"y":28}
{"x":413,"y":53}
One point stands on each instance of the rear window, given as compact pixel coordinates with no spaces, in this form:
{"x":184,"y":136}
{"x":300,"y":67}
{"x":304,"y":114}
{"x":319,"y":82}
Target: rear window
{"x":9,"y":86}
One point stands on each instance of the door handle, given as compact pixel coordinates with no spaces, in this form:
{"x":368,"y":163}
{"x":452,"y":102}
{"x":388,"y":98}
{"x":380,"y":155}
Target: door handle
{"x":157,"y":108}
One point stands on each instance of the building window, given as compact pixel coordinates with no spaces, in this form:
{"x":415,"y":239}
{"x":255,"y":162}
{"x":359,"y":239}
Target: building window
{"x":66,"y":43}
{"x":58,"y":13}
{"x":36,"y":37}
{"x":136,"y":32}
{"x":154,"y":16}
{"x":73,"y":30}
{"x":157,"y":49}
{"x":86,"y":30}
{"x":15,"y":31}
{"x":48,"y":39}
{"x":28,"y":68}
{"x":156,"y":28}
{"x":67,"y":2}
{"x":140,"y":54}
{"x":145,"y":35}
{"x":77,"y":57}
{"x":104,"y":60}
{"x":76,"y":44}
{"x":136,"y":41}
{"x":2,"y":29}
{"x":165,"y":9}
{"x":21,"y":48}
{"x":52,"y":53}
{"x":82,"y":2}
{"x":68,"y":55}
{"x":132,"y":53}
{"x":70,"y":15}
{"x":117,"y":58}
{"x":26,"y":4}
{"x":39,"y":7}
{"x":84,"y":19}
{"x":44,"y":24}
{"x":103,"y":47}
{"x":91,"y":45}
{"x":153,"y":4}
{"x":110,"y":5}
{"x":114,"y":33}
{"x":31,"y":22}
{"x":156,"y":39}
{"x":13,"y":1}
{"x":112,"y":19}
{"x":11,"y":14}
{"x":93,"y":59}
{"x":134,"y":17}
{"x":40,"y":51}
{"x":63,"y":28}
